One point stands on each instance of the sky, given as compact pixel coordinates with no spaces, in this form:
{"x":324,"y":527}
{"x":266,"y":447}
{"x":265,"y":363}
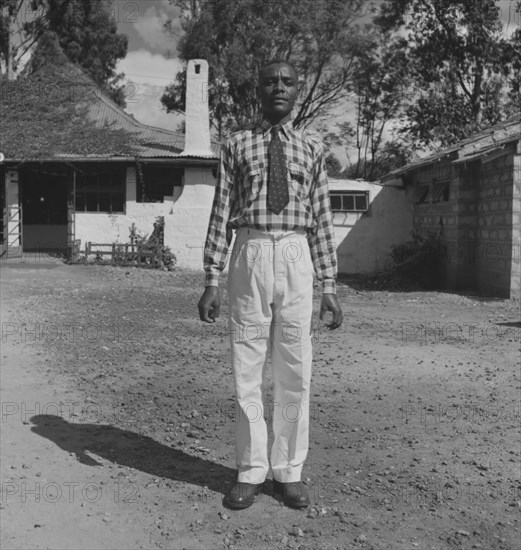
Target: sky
{"x":151,"y":63}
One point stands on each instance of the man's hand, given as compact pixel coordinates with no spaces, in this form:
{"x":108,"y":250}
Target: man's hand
{"x":209,"y":304}
{"x":330,"y":303}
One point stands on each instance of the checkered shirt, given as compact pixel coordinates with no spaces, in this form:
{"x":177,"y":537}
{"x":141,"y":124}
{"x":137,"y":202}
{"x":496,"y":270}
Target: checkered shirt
{"x":241,"y":198}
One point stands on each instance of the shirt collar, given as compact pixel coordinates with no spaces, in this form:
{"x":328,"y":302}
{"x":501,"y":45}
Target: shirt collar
{"x":264,"y":127}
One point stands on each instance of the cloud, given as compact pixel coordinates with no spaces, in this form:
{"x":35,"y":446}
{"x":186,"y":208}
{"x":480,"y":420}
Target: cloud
{"x":150,"y":26}
{"x":146,"y":77}
{"x":146,"y":67}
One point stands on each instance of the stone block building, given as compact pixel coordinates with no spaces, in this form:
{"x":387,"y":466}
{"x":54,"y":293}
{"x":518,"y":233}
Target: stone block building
{"x":468,"y":199}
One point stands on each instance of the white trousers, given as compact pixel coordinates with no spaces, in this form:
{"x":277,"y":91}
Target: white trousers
{"x":270,"y":288}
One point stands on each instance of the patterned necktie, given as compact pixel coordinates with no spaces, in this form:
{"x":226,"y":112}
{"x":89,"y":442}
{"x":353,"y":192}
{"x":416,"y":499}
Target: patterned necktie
{"x":278,"y":196}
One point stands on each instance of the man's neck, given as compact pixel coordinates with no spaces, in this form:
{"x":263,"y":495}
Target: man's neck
{"x":275,"y":121}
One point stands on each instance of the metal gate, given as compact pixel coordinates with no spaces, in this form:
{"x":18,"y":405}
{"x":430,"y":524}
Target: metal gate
{"x":12,"y":231}
{"x":72,"y":245}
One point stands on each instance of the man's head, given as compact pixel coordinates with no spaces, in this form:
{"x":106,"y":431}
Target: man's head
{"x":278,"y":90}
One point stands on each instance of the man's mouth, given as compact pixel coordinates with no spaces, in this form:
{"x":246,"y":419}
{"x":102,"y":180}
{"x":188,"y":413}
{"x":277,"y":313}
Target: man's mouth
{"x":280,"y":98}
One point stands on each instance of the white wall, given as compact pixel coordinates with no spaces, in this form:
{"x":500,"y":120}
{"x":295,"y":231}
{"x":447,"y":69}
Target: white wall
{"x":364,"y":240}
{"x":186,"y":217}
{"x":186,"y":227}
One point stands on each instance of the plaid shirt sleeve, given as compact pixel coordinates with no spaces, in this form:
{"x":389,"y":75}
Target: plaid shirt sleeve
{"x":322,"y":241}
{"x":219,"y":234}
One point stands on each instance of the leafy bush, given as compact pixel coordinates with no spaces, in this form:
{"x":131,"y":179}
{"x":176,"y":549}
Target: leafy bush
{"x":420,"y":259}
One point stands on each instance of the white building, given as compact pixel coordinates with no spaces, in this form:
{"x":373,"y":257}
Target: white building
{"x":53,"y":195}
{"x":369,"y":219}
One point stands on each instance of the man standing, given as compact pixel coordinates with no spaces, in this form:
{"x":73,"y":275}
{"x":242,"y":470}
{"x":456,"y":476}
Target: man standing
{"x":272,"y":188}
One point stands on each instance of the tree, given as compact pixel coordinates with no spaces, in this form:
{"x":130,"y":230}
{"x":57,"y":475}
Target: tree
{"x":512,"y":55}
{"x":45,"y":112}
{"x":333,"y":166}
{"x":237,"y":36}
{"x":378,"y":87}
{"x":459,"y":60}
{"x":11,"y":52}
{"x":380,"y":82}
{"x":391,"y":155}
{"x":86,"y":31}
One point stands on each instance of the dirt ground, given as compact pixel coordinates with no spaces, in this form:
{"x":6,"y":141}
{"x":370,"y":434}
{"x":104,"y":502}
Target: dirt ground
{"x":118,"y":419}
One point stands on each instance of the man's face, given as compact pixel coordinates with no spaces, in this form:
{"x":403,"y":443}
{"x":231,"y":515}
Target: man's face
{"x":278,"y":91}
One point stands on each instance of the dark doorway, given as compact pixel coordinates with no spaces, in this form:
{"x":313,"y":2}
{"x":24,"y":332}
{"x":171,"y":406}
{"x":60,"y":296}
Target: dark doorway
{"x":4,"y":213}
{"x":44,"y":207}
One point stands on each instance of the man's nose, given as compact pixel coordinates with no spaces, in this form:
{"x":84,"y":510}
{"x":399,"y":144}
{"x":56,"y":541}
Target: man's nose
{"x":279,"y":85}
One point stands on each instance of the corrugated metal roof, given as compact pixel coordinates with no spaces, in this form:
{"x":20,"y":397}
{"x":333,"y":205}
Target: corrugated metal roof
{"x":470,"y":148}
{"x":335,"y":184}
{"x":104,"y":116}
{"x":152,"y":142}
{"x":156,"y":141}
{"x":475,"y":156}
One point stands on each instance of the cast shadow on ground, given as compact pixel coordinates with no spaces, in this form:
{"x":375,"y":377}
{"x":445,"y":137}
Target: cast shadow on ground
{"x":130,"y":449}
{"x":379,"y":282}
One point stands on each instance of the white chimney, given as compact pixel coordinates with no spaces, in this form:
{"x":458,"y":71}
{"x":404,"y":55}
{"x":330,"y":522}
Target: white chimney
{"x":197,"y":114}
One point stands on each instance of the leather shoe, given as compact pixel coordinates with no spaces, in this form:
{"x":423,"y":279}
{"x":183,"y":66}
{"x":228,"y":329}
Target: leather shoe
{"x":242,"y":495}
{"x":294,"y":493}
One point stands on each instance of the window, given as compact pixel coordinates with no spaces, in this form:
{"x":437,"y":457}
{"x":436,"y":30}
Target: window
{"x":155,"y":182}
{"x":100,"y":188}
{"x":349,"y":201}
{"x":440,"y":191}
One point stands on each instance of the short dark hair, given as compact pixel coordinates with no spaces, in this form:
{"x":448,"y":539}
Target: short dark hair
{"x":277,"y":61}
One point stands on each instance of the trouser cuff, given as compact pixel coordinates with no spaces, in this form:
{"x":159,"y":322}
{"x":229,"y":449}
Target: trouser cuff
{"x":287,"y":475}
{"x":251,"y":475}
